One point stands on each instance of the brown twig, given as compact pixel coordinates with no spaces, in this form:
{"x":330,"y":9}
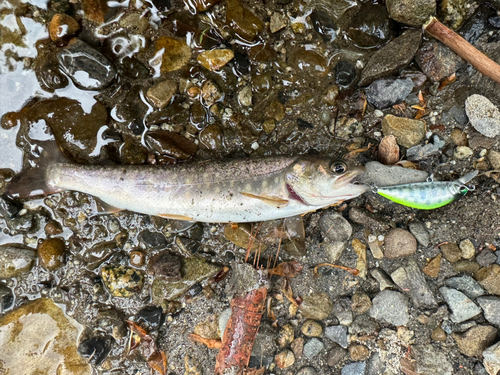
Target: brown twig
{"x":350,"y":270}
{"x":463,"y":48}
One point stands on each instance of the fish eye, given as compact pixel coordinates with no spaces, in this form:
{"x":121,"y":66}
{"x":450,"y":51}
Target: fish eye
{"x":338,"y":167}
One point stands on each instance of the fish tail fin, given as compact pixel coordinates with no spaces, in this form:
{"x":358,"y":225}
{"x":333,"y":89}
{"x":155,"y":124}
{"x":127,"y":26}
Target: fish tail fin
{"x":32,"y":181}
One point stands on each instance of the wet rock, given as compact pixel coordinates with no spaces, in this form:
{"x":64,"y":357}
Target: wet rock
{"x":360,"y":303}
{"x":491,"y":309}
{"x":371,"y":27}
{"x":475,"y":340}
{"x":411,"y":279}
{"x":393,"y":56}
{"x":422,"y":152}
{"x":437,"y":61}
{"x":324,"y":25}
{"x":311,"y":328}
{"x":242,"y":237}
{"x":176,"y":54}
{"x":384,"y":93}
{"x":245,"y":96}
{"x":391,"y":307}
{"x":438,"y":334}
{"x":285,"y":359}
{"x":211,"y":93}
{"x":15,"y":260}
{"x":316,"y":306}
{"x":411,"y":12}
{"x":355,"y":368}
{"x":165,"y":265}
{"x":399,"y":243}
{"x":485,"y":258}
{"x":359,"y":352}
{"x":333,"y":250}
{"x":199,"y":5}
{"x":277,"y":22}
{"x":489,"y":278}
{"x":334,"y":227}
{"x":462,"y":307}
{"x":94,"y":349}
{"x":153,"y":240}
{"x":151,"y":317}
{"x":453,"y":13}
{"x":6,"y":298}
{"x":122,"y":281}
{"x":381,"y":175}
{"x":420,"y":232}
{"x":335,"y":355}
{"x":408,"y":132}
{"x":87,"y":67}
{"x":492,"y":359}
{"x":170,"y":144}
{"x":466,"y":285}
{"x":483,"y":115}
{"x":367,"y":219}
{"x":242,"y":21}
{"x":162,"y":93}
{"x":215,"y":59}
{"x":212,"y":137}
{"x":94,"y":10}
{"x":37,"y":325}
{"x":285,"y":336}
{"x":451,"y":252}
{"x":62,"y":27}
{"x":345,"y":73}
{"x":194,"y":270}
{"x":430,"y":361}
{"x":382,"y":278}
{"x":337,"y":334}
{"x":313,"y":347}
{"x":308,"y":59}
{"x":51,"y":253}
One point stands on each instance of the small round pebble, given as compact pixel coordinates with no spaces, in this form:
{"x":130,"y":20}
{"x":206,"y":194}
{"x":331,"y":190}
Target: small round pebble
{"x":53,"y":228}
{"x":311,"y":328}
{"x":285,"y":335}
{"x":438,"y":334}
{"x":463,"y":152}
{"x":467,"y":248}
{"x":51,"y":253}
{"x":137,"y":258}
{"x":399,"y":243}
{"x":285,"y":359}
{"x":359,"y":352}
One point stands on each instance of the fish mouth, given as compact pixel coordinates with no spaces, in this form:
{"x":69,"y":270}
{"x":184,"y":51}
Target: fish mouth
{"x":350,"y":176}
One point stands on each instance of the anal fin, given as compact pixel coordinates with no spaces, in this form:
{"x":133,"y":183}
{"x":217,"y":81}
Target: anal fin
{"x":270,"y":200}
{"x":175,"y":217}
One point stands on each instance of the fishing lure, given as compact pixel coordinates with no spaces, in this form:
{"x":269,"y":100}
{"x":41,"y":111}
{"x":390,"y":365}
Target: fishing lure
{"x":428,"y":195}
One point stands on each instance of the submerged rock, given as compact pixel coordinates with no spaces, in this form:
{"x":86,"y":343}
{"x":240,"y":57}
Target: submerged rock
{"x":371,"y":27}
{"x":38,"y":336}
{"x":51,"y":253}
{"x":244,"y":23}
{"x":215,"y":59}
{"x":173,"y":53}
{"x":122,"y":281}
{"x":15,"y":260}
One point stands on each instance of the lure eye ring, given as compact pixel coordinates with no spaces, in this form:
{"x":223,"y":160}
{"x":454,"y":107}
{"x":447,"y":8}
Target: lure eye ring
{"x":338,"y":167}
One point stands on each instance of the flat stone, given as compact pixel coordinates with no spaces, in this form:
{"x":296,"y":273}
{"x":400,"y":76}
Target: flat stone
{"x":368,"y":219}
{"x":334,"y":227}
{"x":420,"y":232}
{"x":173,"y":54}
{"x":412,"y":279}
{"x":483,"y":115}
{"x":394,"y":55}
{"x":411,"y":12}
{"x":313,"y":347}
{"x":462,"y":307}
{"x":489,"y":278}
{"x":491,"y":359}
{"x":87,"y":67}
{"x":433,"y":266}
{"x":342,"y":311}
{"x":466,"y":285}
{"x":334,"y":250}
{"x":335,"y":355}
{"x":467,"y":248}
{"x":383,"y":175}
{"x":384,"y":93}
{"x":15,"y":260}
{"x":337,"y":334}
{"x":408,"y":132}
{"x":491,"y":309}
{"x":41,"y":338}
{"x":376,"y":366}
{"x":278,"y":21}
{"x":422,"y":152}
{"x":475,"y":340}
{"x":399,"y":243}
{"x":391,"y":307}
{"x":161,"y":94}
{"x":363,"y":325}
{"x":316,"y":306}
{"x":486,"y":257}
{"x":383,"y":279}
{"x":431,"y":361}
{"x":215,"y":59}
{"x":437,"y":61}
{"x":165,"y":265}
{"x":451,"y":252}
{"x":355,"y":368}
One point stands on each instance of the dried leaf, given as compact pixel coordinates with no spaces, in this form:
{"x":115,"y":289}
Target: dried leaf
{"x":447,"y":81}
{"x":288,"y":292}
{"x":388,"y":150}
{"x":350,"y":270}
{"x":158,"y":362}
{"x":286,"y":269}
{"x":407,"y":164}
{"x":352,"y":154}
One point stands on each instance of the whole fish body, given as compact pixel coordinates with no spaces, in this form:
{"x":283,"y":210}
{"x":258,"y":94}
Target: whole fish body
{"x":238,"y":190}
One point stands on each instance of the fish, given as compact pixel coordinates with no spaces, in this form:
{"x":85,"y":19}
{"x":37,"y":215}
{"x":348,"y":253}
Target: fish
{"x":215,"y":191}
{"x":427,"y":195}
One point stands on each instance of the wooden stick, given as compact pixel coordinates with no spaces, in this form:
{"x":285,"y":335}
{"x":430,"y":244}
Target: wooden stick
{"x":463,"y":48}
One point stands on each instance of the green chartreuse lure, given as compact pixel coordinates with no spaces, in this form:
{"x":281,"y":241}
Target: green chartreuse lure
{"x":427,"y":195}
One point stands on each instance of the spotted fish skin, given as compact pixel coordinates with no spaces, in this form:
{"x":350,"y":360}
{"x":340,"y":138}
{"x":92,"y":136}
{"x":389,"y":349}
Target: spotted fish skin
{"x":425,"y":195}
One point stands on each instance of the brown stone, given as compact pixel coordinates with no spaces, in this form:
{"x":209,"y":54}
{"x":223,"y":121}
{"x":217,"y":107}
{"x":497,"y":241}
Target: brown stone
{"x":62,"y":27}
{"x":94,"y":10}
{"x":438,"y":334}
{"x":359,"y":352}
{"x":51,"y":253}
{"x":451,"y":252}
{"x":489,"y":278}
{"x":408,"y":132}
{"x":215,"y":59}
{"x":176,"y":53}
{"x":474,"y":341}
{"x":388,"y":150}
{"x":244,"y":23}
{"x":399,"y":243}
{"x":433,"y":267}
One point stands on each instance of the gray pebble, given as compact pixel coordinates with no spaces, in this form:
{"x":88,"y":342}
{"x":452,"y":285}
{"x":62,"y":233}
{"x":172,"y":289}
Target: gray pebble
{"x":337,"y":334}
{"x":334,"y":227}
{"x":342,"y":311}
{"x":335,"y":355}
{"x":382,"y":175}
{"x":223,"y":319}
{"x":466,"y":285}
{"x":491,"y":309}
{"x":384,"y":93}
{"x":363,"y":325}
{"x":355,"y":368}
{"x":15,"y":259}
{"x":462,"y":307}
{"x":391,"y":307}
{"x":410,"y":278}
{"x":420,"y":232}
{"x":375,"y":365}
{"x":486,"y":257}
{"x":307,"y":371}
{"x":430,"y":360}
{"x":483,"y":115}
{"x":313,"y":347}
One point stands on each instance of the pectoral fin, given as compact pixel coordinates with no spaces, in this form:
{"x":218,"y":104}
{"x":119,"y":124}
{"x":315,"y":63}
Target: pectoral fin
{"x":270,"y":200}
{"x":176,"y":217}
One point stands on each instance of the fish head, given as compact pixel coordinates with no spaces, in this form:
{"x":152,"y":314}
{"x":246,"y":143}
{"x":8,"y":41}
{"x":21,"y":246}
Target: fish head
{"x":319,"y":181}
